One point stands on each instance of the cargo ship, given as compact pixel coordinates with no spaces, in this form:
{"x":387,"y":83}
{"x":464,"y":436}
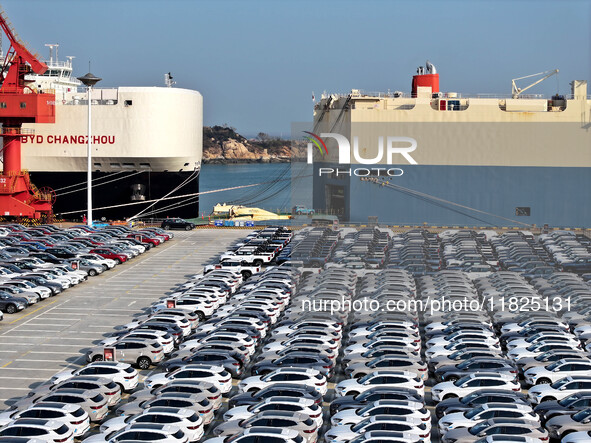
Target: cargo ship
{"x":147,"y":147}
{"x":442,"y":158}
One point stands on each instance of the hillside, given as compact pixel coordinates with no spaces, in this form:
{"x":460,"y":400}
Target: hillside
{"x":222,"y":144}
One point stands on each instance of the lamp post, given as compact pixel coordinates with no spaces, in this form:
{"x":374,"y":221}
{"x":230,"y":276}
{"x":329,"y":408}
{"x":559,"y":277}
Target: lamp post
{"x":89,"y":80}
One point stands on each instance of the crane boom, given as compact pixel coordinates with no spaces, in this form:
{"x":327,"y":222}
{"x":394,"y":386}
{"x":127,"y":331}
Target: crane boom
{"x":516,"y":92}
{"x":19,"y":47}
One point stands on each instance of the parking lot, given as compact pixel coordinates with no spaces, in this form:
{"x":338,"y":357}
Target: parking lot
{"x":52,"y":335}
{"x":487,"y":279}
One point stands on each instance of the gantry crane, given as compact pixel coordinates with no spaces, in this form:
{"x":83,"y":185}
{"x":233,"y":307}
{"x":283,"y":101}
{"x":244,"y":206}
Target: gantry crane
{"x":20,"y":104}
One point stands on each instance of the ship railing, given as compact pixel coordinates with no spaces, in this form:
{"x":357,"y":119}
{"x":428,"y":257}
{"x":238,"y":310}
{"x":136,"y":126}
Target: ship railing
{"x":40,"y":91}
{"x":443,"y":95}
{"x":78,"y":102}
{"x":57,"y":64}
{"x":7,"y":130}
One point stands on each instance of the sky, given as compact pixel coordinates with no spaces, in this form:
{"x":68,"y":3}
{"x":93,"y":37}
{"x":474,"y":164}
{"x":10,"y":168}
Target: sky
{"x":256,"y":63}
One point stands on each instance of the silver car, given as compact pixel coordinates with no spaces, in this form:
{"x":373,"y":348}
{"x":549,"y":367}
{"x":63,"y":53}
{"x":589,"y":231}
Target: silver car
{"x":302,"y":423}
{"x":104,"y":386}
{"x":93,"y":403}
{"x":136,"y":351}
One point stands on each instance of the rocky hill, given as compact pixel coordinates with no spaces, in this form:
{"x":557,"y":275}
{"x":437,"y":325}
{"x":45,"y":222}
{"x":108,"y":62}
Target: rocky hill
{"x":222,"y":144}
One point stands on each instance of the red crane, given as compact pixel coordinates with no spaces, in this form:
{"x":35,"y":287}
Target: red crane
{"x":20,"y":104}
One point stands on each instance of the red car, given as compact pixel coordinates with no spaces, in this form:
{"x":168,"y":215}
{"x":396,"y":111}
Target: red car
{"x":108,"y":253}
{"x":157,"y":233}
{"x":144,"y":238}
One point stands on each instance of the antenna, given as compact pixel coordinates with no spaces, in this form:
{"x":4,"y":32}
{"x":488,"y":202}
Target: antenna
{"x":51,"y":47}
{"x":168,"y":80}
{"x":70,"y":58}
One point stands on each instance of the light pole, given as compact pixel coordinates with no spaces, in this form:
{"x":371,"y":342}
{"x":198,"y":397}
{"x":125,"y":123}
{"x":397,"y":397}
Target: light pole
{"x":89,"y":80}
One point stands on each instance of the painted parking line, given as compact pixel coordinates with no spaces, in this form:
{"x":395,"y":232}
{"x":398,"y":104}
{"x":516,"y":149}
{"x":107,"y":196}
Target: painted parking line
{"x":8,"y":368}
{"x":24,"y":378}
{"x":35,"y":310}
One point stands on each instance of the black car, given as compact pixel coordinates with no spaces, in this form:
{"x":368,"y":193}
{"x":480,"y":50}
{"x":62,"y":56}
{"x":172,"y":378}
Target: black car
{"x":276,"y":390}
{"x":46,"y":257}
{"x":568,"y":405}
{"x":60,"y":252}
{"x":371,"y":395}
{"x":476,"y":398}
{"x":177,"y":223}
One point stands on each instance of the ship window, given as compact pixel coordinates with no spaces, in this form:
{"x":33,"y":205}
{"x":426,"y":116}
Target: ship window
{"x":128,"y":102}
{"x":3,"y":105}
{"x":97,"y":165}
{"x":23,"y":105}
{"x":523,"y":211}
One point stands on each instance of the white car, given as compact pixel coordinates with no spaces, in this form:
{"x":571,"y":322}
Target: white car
{"x":450,"y":348}
{"x":304,"y":405}
{"x":96,"y":259}
{"x":362,"y":347}
{"x":299,"y":376}
{"x":381,"y":378}
{"x":395,"y":408}
{"x":516,"y":327}
{"x":44,"y":429}
{"x":484,"y":336}
{"x":409,"y":430}
{"x":577,"y":437}
{"x":323,"y":342}
{"x":559,"y":389}
{"x":216,"y":375}
{"x":473,"y":382}
{"x":237,"y":338}
{"x":557,"y":370}
{"x":543,"y":336}
{"x":161,"y":433}
{"x":121,"y":373}
{"x":469,"y":418}
{"x":73,"y":415}
{"x":190,"y":304}
{"x":186,"y":419}
{"x":537,"y":348}
{"x":256,"y":433}
{"x":161,"y":337}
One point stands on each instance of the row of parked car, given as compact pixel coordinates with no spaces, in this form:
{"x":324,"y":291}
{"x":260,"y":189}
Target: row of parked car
{"x":42,"y":261}
{"x":198,"y":359}
{"x":284,"y":334}
{"x":480,"y":253}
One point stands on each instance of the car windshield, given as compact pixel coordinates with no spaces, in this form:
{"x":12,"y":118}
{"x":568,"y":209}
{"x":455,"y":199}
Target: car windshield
{"x":474,"y":412}
{"x":553,"y":366}
{"x":566,"y":401}
{"x":582,"y":415}
{"x":477,"y":429}
{"x":461,"y":381}
{"x":362,"y":380}
{"x":559,"y":383}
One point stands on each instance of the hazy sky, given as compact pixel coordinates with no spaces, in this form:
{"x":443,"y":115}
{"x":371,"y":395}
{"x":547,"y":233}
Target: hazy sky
{"x":257,"y":62}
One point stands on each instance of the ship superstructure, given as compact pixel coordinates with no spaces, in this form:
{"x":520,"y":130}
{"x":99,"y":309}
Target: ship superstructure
{"x":147,"y":144}
{"x":519,"y":159}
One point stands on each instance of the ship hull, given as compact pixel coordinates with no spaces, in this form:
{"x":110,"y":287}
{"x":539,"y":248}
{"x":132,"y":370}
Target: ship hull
{"x":446,"y":195}
{"x":118,"y":196}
